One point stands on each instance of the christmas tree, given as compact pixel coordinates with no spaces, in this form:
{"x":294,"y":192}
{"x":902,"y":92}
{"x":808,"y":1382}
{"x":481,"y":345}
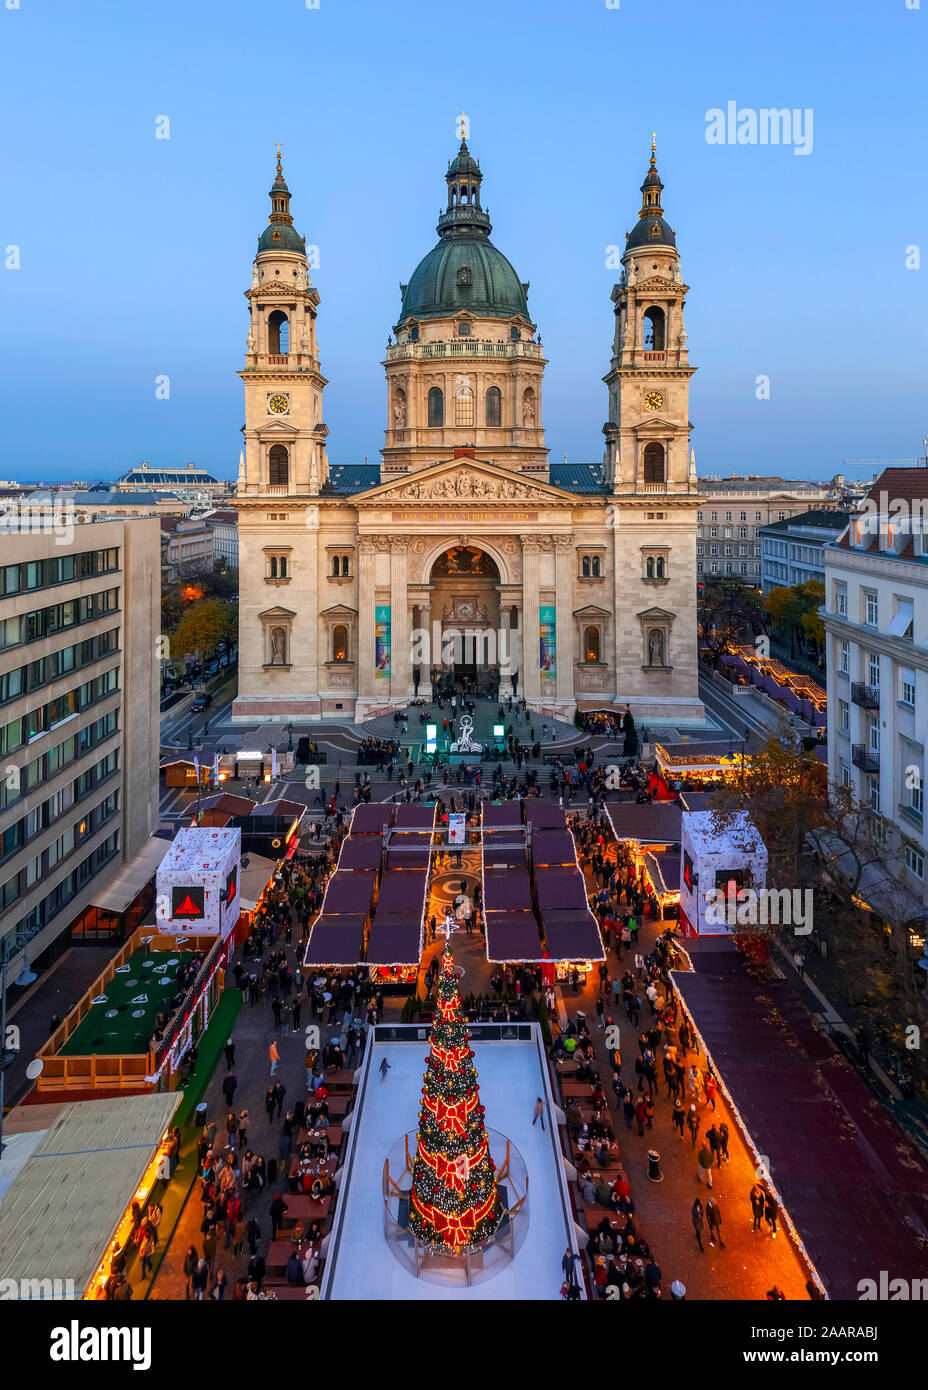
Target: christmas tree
{"x":454,"y":1204}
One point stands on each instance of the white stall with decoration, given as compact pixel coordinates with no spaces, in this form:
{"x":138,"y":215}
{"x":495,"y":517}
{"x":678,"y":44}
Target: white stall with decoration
{"x":197,"y":884}
{"x":717,"y":854}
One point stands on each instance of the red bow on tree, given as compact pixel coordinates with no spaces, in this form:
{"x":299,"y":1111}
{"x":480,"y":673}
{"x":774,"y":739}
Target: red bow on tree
{"x":451,"y":1117}
{"x":457,"y":1228}
{"x":448,"y":1172}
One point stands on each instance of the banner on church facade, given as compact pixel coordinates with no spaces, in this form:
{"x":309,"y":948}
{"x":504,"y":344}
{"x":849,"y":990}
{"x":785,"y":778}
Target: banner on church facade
{"x":547,"y":626}
{"x":382,"y":641}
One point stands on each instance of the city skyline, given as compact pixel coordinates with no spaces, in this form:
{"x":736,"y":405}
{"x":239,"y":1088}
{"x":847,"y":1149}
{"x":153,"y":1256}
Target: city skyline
{"x":154,"y":276}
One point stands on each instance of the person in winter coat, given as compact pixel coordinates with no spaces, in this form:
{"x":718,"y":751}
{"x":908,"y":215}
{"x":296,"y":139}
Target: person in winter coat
{"x":191,"y":1261}
{"x":697,"y":1216}
{"x":714,"y":1218}
{"x":758,"y":1201}
{"x":705,"y":1164}
{"x":200,"y":1280}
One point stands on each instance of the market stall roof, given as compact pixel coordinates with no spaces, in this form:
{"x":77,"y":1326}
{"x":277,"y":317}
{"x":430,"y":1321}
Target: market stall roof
{"x":229,"y":803}
{"x":544,"y":815}
{"x":287,"y":810}
{"x":664,"y":872}
{"x":560,"y":890}
{"x":401,"y":891}
{"x":572,"y":935}
{"x":553,"y":847}
{"x":501,"y":850}
{"x":414,"y":817}
{"x":336,"y":941}
{"x":710,"y":834}
{"x":370,"y":818}
{"x":116,"y":895}
{"x":697,"y":801}
{"x":59,"y":1214}
{"x":654,"y":823}
{"x":854,"y":1185}
{"x":416,"y":857}
{"x":360,"y":852}
{"x":502,"y":813}
{"x":395,"y":939}
{"x":349,"y":892}
{"x":512,"y":936}
{"x":255,"y":875}
{"x":506,"y":890}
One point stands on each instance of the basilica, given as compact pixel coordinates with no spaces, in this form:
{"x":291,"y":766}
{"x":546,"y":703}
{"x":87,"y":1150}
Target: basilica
{"x":465,"y":555}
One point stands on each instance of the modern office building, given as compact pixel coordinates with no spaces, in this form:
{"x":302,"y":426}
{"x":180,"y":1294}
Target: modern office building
{"x":733,"y":510}
{"x":79,"y":731}
{"x":793,"y":550}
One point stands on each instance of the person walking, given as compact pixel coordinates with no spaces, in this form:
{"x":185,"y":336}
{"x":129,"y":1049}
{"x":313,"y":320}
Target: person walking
{"x":278,"y":1210}
{"x":230,"y":1054}
{"x":711,"y":1086}
{"x":715,"y":1144}
{"x":771,"y":1212}
{"x":229,"y":1086}
{"x":146,"y":1251}
{"x":678,"y":1118}
{"x":242,"y":1128}
{"x":191,"y":1261}
{"x":723,"y":1140}
{"x":698,"y":1219}
{"x":539,"y":1112}
{"x":705,"y":1164}
{"x":758,"y":1201}
{"x":714,"y":1219}
{"x":384,"y":1068}
{"x":692,"y":1120}
{"x":199,"y":1280}
{"x":274,"y":1057}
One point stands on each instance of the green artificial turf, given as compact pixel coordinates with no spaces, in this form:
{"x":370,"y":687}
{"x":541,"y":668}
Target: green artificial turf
{"x":97,"y":1034}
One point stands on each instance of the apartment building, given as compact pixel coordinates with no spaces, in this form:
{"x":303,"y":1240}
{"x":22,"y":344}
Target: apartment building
{"x":224,"y":526}
{"x":728,"y":544}
{"x":793,"y":550}
{"x":186,"y":546}
{"x":79,"y":728}
{"x":876,"y":624}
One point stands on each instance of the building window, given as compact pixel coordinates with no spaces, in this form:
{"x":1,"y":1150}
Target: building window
{"x":873,"y":736}
{"x":591,"y":643}
{"x":464,"y":278}
{"x":655,"y":567}
{"x":728,"y":516}
{"x":590,"y":566}
{"x":744,"y":516}
{"x":845,"y":658}
{"x":757,"y":516}
{"x":436,"y":408}
{"x":914,"y":860}
{"x":781,"y":516}
{"x":340,"y":643}
{"x":841,"y":600}
{"x":715,"y":517}
{"x":873,"y":670}
{"x":494,"y":407}
{"x":844,"y":716}
{"x":278,"y":334}
{"x":278,"y":567}
{"x":871,"y":609}
{"x":653,"y":463}
{"x":713,"y":531}
{"x":463,"y":406}
{"x":846,"y":779}
{"x":463,"y":328}
{"x":278,"y":466}
{"x":916,"y":794}
{"x":907,"y":686}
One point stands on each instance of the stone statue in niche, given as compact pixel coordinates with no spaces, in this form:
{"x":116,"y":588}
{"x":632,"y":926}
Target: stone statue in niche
{"x":656,"y":647}
{"x":278,"y":647}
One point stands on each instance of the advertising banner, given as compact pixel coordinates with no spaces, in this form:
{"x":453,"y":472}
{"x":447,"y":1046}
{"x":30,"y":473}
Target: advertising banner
{"x":547,"y":625}
{"x":382,"y":641}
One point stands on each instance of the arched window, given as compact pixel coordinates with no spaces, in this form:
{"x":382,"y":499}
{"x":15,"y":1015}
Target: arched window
{"x":585,"y":567}
{"x":595,"y":566}
{"x":345,"y":565}
{"x":649,"y":567}
{"x":278,"y":333}
{"x":463,"y":406}
{"x":654,"y":326}
{"x":494,"y":405}
{"x":591,"y":643}
{"x":273,"y":566}
{"x":335,"y":567}
{"x":340,"y":643}
{"x":278,"y":466}
{"x":654,"y":463}
{"x":436,"y":408}
{"x":414,"y":333}
{"x":659,"y":567}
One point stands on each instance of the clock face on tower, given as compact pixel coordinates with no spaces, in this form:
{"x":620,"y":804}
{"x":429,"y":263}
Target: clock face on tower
{"x":278,"y":404}
{"x":653,"y":400}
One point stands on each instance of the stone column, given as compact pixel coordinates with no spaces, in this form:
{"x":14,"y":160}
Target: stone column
{"x":367,"y":548}
{"x":399,"y":619}
{"x":529,"y":672}
{"x":563,"y":581}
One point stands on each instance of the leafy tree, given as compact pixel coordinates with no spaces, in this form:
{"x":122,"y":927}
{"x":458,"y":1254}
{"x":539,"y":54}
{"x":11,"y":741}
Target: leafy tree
{"x":203,"y":626}
{"x":728,"y":613}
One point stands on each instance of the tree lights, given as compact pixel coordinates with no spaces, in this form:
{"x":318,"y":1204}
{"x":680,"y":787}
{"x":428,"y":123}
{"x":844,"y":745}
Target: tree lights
{"x":455,"y":1205}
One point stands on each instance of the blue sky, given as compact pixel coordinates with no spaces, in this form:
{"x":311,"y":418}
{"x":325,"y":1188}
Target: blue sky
{"x":135,"y":251}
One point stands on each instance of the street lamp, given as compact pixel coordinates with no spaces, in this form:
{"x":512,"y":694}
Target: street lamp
{"x":290,"y":736}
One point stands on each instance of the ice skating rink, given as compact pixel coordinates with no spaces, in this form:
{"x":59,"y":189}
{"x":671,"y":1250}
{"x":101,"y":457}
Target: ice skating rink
{"x":361,"y":1264}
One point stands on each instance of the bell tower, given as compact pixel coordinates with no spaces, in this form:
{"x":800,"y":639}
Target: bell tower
{"x":647,"y":432}
{"x":285,"y":436}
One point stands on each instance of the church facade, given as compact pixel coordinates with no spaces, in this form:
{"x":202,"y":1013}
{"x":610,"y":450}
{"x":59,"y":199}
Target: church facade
{"x":465,"y":551}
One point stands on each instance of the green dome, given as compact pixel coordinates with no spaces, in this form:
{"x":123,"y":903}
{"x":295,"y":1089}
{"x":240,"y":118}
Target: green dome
{"x":287,"y":238}
{"x":489,"y":286}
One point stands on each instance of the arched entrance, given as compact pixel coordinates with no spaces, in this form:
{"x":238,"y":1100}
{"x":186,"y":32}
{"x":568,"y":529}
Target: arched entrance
{"x":465,"y":611}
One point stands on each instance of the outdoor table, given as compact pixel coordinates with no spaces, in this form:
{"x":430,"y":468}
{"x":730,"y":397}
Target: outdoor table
{"x":280,"y":1250}
{"x":333,"y":1133}
{"x":340,"y":1081}
{"x":576,"y":1090}
{"x":304,"y":1207}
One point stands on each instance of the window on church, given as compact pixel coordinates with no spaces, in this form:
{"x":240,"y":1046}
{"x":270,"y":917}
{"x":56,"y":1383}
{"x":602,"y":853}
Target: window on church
{"x":585,"y":567}
{"x":340,"y":643}
{"x":654,"y":463}
{"x":653,"y":326}
{"x":463,"y":330}
{"x":464,"y":276}
{"x":335,"y":567}
{"x":344,"y":566}
{"x":494,"y":405}
{"x":414,"y":333}
{"x":436,"y":408}
{"x":591,"y":643}
{"x":278,"y":333}
{"x":463,"y":406}
{"x":278,"y":466}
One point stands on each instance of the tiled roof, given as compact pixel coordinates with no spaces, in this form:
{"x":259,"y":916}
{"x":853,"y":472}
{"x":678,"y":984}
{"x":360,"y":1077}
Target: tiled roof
{"x":577,"y":477}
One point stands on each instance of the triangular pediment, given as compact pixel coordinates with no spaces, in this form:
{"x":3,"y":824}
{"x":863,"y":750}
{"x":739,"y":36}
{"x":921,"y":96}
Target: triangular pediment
{"x":277,"y":612}
{"x":592,"y":611}
{"x":465,"y":479}
{"x":339,"y":610}
{"x":655,"y":615}
{"x":277,"y":429}
{"x":656,"y":424}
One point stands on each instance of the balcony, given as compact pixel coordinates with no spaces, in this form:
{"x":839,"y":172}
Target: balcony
{"x":653,"y":356}
{"x":867,"y":759}
{"x":463,"y":347}
{"x":866,"y":696}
